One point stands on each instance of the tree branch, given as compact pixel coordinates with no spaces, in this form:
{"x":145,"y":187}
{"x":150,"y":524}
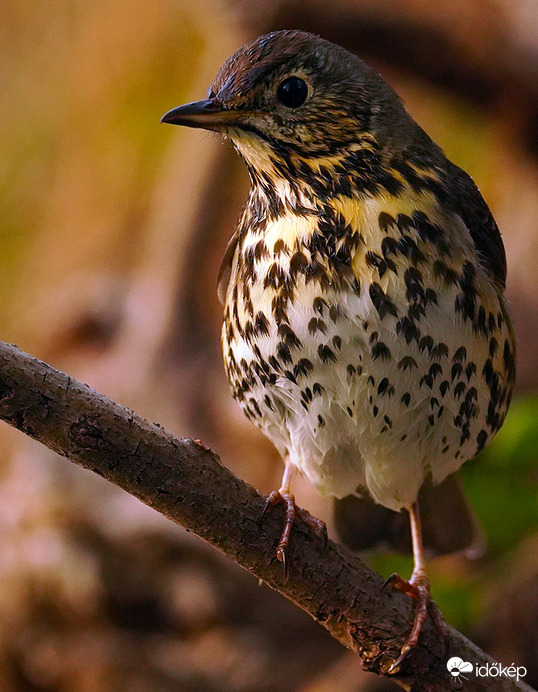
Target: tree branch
{"x":186,"y":482}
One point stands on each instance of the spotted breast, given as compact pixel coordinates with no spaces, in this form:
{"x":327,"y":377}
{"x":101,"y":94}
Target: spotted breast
{"x":365,"y":336}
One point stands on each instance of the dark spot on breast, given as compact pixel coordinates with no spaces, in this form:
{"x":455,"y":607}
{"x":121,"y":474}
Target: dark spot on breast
{"x":430,"y":296}
{"x":284,"y":354}
{"x":290,"y":376}
{"x":480,"y":322}
{"x":440,"y":269}
{"x":403,"y":222}
{"x":435,"y":370}
{"x":465,"y":305}
{"x":289,"y":337}
{"x":317,"y":324}
{"x":460,"y":355}
{"x":470,"y":370}
{"x":409,"y":329}
{"x":481,"y":440}
{"x":326,"y":354}
{"x":407,"y":363}
{"x":381,"y":350}
{"x":275,"y":277}
{"x":413,"y":278}
{"x":439,"y":351}
{"x":444,"y":387}
{"x":298,"y":263}
{"x":318,"y":304}
{"x":262,"y":324}
{"x":427,"y":380}
{"x":508,"y":360}
{"x":255,"y":407}
{"x":385,"y":388}
{"x":303,"y":367}
{"x":459,"y":389}
{"x":260,"y":250}
{"x":374,"y":260}
{"x":381,"y":301}
{"x":306,"y":394}
{"x":389,"y":246}
{"x":335,"y":313}
{"x":410,"y":249}
{"x":426,"y":343}
{"x":428,"y":232}
{"x":385,"y":220}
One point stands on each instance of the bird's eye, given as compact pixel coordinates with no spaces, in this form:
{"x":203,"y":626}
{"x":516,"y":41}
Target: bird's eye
{"x":292,"y":92}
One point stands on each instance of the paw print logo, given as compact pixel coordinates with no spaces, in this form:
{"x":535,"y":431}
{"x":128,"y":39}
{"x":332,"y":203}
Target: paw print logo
{"x":456,"y":666}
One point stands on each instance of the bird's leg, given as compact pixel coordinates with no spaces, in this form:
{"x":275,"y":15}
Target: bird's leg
{"x":284,"y":495}
{"x":418,"y":587}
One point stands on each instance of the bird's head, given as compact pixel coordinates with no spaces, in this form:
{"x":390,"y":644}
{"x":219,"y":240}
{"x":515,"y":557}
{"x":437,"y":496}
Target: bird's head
{"x":292,"y":95}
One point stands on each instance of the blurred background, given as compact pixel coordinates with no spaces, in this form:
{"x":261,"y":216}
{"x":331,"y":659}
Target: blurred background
{"x":111,"y":232}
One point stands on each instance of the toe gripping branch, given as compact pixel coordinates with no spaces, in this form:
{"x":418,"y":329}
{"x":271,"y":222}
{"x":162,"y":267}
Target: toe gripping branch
{"x":291,"y":513}
{"x":417,"y":588}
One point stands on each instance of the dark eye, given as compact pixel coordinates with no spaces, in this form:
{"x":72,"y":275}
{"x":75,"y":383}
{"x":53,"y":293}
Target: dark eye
{"x":292,"y":92}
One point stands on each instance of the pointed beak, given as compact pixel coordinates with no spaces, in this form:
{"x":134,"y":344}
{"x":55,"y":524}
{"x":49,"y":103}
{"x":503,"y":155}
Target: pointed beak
{"x":209,"y":114}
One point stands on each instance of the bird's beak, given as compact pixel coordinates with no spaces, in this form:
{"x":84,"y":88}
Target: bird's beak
{"x":209,"y":114}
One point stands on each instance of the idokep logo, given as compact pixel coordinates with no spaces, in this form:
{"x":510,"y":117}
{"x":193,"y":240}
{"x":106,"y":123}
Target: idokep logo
{"x":457,"y":667}
{"x":461,"y":670}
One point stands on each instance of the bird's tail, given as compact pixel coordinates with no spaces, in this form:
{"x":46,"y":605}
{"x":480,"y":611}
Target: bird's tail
{"x":448,"y":522}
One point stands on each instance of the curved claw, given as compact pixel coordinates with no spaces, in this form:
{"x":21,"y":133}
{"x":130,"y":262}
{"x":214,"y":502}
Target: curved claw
{"x":263,"y":512}
{"x":282,"y":556}
{"x":291,"y":512}
{"x":389,"y":581}
{"x":272,"y":500}
{"x":406,"y":587}
{"x":406,"y":650}
{"x":418,"y":589}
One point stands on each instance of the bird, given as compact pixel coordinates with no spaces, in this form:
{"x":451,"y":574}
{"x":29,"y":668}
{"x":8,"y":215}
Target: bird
{"x":365,"y":329}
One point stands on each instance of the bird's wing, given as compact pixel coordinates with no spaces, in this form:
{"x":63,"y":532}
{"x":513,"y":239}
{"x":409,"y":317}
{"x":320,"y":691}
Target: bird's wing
{"x":465,"y":199}
{"x":225,"y":269}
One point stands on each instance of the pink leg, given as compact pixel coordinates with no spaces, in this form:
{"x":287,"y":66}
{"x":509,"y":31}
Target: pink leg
{"x":284,"y":495}
{"x":418,"y":587}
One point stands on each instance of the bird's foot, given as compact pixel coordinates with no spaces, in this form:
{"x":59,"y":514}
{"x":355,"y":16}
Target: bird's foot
{"x":418,"y":587}
{"x":292,"y":512}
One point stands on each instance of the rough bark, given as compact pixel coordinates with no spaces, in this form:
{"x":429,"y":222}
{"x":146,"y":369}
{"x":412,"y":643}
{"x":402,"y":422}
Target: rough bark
{"x":185,"y":481}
